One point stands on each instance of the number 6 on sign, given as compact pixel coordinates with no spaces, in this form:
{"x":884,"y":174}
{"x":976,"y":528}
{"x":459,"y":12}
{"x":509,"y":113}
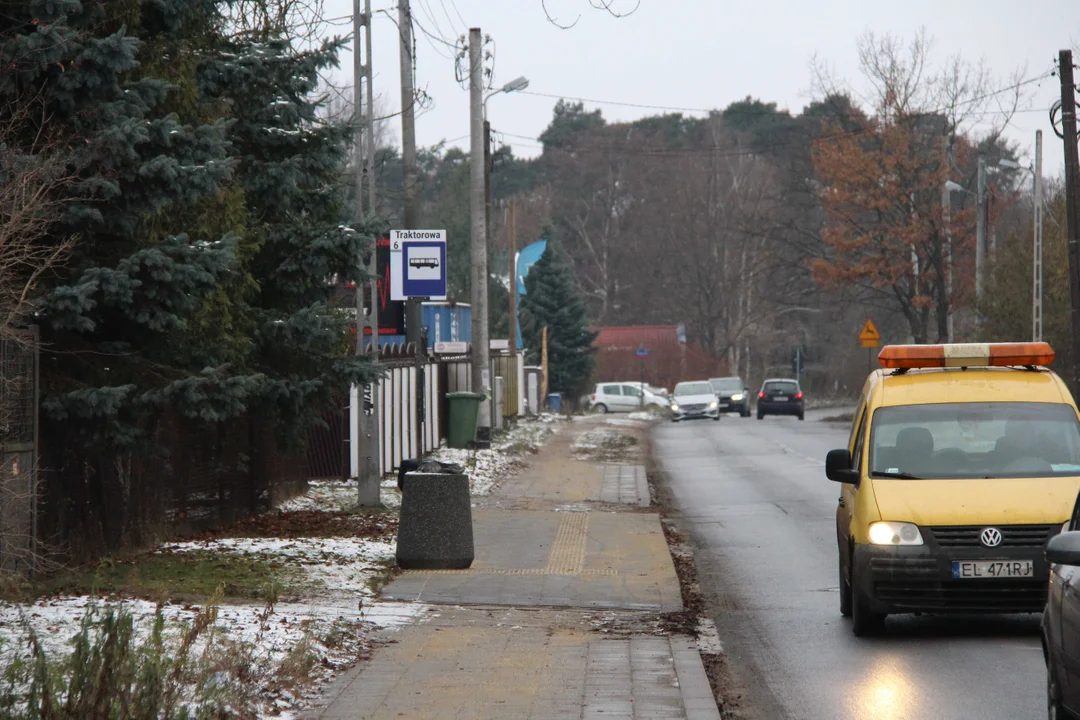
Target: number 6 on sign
{"x":418,"y":264}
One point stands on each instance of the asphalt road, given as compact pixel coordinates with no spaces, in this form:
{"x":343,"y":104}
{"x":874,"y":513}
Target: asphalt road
{"x":754,"y":496}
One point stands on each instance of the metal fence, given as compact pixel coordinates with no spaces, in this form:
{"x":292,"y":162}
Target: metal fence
{"x":18,"y":453}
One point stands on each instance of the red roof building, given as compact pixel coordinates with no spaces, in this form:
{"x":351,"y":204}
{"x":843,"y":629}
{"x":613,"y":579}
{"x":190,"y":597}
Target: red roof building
{"x":670,"y":358}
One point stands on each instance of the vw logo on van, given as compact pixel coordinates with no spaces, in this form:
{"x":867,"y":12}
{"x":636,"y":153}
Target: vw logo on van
{"x":990,"y":537}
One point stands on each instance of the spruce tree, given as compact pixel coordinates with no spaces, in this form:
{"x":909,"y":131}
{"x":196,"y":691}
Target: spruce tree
{"x":552,"y":301}
{"x":290,"y":166}
{"x":209,"y":223}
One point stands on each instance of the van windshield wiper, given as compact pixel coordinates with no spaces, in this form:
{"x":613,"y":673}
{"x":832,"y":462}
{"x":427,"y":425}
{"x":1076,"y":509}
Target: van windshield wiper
{"x":897,"y":475}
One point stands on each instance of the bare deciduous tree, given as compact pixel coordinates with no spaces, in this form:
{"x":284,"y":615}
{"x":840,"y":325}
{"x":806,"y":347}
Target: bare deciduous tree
{"x":38,"y":182}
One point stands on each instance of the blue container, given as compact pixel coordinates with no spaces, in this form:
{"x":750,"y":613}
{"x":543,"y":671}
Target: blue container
{"x":447,"y":324}
{"x":554,"y":402}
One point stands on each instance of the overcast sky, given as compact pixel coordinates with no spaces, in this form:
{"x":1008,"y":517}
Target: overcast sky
{"x":698,"y":54}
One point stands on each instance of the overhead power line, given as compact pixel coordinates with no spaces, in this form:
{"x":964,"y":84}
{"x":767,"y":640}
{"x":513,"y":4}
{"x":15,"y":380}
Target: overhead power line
{"x":767,"y":111}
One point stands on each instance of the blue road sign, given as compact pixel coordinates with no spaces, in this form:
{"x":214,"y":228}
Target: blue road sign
{"x":642,"y":352}
{"x":418,"y":264}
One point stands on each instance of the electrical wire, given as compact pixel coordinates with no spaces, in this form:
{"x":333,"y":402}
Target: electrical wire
{"x":764,"y":111}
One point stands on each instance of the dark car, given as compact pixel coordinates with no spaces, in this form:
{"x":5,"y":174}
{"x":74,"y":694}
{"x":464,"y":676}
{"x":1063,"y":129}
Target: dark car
{"x":1061,"y":622}
{"x":732,"y":394}
{"x":780,"y":396}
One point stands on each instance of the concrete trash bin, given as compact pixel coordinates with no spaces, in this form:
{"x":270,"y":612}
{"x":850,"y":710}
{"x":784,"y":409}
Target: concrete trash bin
{"x":435,"y":529}
{"x":464,"y":409}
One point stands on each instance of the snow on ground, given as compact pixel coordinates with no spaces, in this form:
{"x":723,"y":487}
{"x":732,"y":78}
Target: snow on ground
{"x":325,"y":495}
{"x":339,"y":610}
{"x":337,"y":634}
{"x":487,"y":469}
{"x":339,"y":564}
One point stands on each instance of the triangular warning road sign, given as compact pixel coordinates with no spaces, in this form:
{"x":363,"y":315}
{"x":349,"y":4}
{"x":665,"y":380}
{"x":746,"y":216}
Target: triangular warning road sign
{"x":869,"y":332}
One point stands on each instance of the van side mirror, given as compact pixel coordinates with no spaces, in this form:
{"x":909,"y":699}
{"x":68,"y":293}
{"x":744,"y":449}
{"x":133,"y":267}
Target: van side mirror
{"x":838,"y":467}
{"x":1064,"y":549}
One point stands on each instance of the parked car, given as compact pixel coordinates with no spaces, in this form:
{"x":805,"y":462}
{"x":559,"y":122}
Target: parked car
{"x":1061,"y":621}
{"x":780,"y":396}
{"x":624,"y":397}
{"x":732,"y":394}
{"x":694,"y":400}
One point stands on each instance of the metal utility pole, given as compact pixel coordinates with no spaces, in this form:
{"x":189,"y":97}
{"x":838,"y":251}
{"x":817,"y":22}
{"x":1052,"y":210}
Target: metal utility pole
{"x":980,"y":232}
{"x":1072,"y":205}
{"x":512,"y":221}
{"x":369,"y":468}
{"x":1037,"y":252}
{"x":481,"y":373}
{"x":413,"y":315}
{"x":946,"y":217}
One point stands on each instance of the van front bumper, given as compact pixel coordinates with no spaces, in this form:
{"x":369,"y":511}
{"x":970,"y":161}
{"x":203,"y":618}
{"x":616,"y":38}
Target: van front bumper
{"x":905,"y":579}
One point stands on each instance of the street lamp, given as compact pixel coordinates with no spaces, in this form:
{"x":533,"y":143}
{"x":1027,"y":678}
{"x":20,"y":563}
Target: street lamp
{"x":946,"y":209}
{"x":481,"y":357}
{"x":515,"y":85}
{"x":1037,"y":227}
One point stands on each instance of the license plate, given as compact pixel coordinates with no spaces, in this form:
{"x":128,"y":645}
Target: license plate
{"x":973,"y":569}
{"x":780,"y":398}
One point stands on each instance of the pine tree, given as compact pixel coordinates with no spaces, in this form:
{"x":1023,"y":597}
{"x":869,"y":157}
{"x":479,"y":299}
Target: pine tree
{"x":552,"y":301}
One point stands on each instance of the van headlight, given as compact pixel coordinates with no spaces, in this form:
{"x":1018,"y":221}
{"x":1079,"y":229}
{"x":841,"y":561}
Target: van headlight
{"x":737,"y":397}
{"x":895,"y":533}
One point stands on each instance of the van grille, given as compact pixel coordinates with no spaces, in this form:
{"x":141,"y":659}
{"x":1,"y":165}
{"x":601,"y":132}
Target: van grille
{"x":1011,"y":535}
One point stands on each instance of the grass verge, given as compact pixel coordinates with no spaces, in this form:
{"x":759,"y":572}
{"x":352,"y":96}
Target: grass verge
{"x":192,"y":574}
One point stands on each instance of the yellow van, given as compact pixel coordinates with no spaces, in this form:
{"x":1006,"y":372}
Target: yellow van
{"x":963,"y":460}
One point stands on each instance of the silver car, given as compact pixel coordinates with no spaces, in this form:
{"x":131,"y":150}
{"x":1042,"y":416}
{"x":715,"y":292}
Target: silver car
{"x":694,"y":400}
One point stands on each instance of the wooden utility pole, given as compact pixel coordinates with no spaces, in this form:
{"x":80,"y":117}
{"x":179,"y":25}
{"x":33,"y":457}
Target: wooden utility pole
{"x":1072,"y":187}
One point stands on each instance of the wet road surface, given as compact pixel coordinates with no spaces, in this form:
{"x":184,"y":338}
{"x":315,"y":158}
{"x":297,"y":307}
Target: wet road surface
{"x":754,"y":496}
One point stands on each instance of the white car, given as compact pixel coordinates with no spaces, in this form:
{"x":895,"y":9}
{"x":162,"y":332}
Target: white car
{"x":624,"y":397}
{"x":694,"y":400}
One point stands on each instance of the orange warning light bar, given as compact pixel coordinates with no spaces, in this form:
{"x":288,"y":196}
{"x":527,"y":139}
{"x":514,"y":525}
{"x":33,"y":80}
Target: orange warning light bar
{"x":966,"y":355}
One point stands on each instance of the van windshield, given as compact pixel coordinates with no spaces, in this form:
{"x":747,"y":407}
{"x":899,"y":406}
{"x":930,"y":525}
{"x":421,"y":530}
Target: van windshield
{"x":975,"y":440}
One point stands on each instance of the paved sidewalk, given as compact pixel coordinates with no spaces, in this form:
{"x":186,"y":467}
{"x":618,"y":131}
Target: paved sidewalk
{"x":519,"y":634}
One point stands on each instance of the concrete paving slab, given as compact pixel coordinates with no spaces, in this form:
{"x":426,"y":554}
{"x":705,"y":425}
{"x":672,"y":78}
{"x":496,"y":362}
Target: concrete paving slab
{"x":510,"y":663}
{"x":583,"y":559}
{"x":625,"y":484}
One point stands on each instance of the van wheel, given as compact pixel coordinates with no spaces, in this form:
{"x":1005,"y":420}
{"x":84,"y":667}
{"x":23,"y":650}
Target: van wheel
{"x":600,"y":408}
{"x":845,"y":586}
{"x":864,"y":623}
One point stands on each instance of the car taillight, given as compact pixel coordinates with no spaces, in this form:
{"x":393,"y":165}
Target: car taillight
{"x":761,"y":394}
{"x":798,"y":395}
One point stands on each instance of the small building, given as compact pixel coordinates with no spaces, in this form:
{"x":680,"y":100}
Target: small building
{"x":670,"y":359}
